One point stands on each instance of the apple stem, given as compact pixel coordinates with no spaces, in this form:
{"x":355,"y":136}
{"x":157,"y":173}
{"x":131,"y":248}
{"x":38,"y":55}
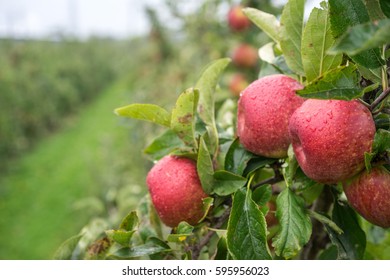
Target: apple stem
{"x":379,"y":99}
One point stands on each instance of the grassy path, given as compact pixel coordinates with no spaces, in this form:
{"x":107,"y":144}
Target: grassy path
{"x":37,"y":197}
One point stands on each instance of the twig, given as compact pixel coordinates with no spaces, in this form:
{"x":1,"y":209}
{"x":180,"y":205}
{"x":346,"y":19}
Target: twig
{"x":199,"y":246}
{"x":379,"y":99}
{"x":278,"y":177}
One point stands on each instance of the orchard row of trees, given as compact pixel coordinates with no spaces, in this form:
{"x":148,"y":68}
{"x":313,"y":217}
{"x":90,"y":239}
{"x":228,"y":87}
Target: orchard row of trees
{"x":42,"y":82}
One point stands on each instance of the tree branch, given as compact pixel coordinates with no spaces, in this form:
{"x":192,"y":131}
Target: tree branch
{"x":197,"y":248}
{"x":278,"y":177}
{"x":379,"y":99}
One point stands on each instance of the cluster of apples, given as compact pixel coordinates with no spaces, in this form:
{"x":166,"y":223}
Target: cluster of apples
{"x":329,"y":139}
{"x":244,"y":56}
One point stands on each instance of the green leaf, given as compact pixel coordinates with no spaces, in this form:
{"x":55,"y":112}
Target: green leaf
{"x":237,"y":158}
{"x":329,"y":253}
{"x":65,"y":251}
{"x":183,"y":116}
{"x":345,"y":14}
{"x":208,"y":202}
{"x":246,"y":232}
{"x":163,"y":145}
{"x":341,"y":83}
{"x":311,"y":191}
{"x":351,"y":244}
{"x":381,"y":144}
{"x":207,"y":85}
{"x":291,"y":26}
{"x":317,"y":39}
{"x":374,"y":75}
{"x":363,"y":37}
{"x":184,"y":228}
{"x":295,"y":225}
{"x":145,"y":112}
{"x":290,"y":167}
{"x":381,"y":141}
{"x":120,"y":236}
{"x":256,"y":163}
{"x":374,"y":9}
{"x":205,"y":167}
{"x":368,"y":157}
{"x":182,"y":232}
{"x":385,"y":6}
{"x":227,"y":183}
{"x":326,"y":221}
{"x":153,"y":246}
{"x":266,"y":22}
{"x":130,"y":222}
{"x":222,"y":250}
{"x":262,"y":194}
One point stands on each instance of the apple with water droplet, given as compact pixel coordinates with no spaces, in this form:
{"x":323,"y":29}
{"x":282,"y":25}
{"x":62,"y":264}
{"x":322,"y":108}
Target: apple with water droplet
{"x":330,"y":137}
{"x":264,"y":109}
{"x":176,"y":191}
{"x":369,"y":194}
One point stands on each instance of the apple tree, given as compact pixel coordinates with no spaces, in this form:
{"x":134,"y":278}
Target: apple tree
{"x":297,"y":167}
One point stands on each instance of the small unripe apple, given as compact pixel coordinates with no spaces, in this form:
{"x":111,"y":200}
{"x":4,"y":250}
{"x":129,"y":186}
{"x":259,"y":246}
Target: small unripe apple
{"x":369,"y":195}
{"x":237,"y":84}
{"x":330,"y":137}
{"x":264,"y":109}
{"x":176,"y":190}
{"x":245,"y":56}
{"x":237,"y":20}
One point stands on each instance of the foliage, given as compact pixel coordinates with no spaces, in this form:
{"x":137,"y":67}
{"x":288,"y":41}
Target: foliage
{"x":314,"y":220}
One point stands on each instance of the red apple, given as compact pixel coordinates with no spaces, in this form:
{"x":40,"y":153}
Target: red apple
{"x":237,"y":83}
{"x":264,"y":109}
{"x":176,"y":190}
{"x":237,"y":20}
{"x":369,"y":195}
{"x":245,"y":56}
{"x":330,"y":137}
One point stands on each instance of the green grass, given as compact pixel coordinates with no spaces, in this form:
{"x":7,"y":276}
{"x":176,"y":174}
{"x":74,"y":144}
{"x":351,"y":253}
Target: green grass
{"x":38,"y":195}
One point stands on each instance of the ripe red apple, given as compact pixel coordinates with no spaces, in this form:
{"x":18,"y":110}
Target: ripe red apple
{"x":237,"y":84}
{"x":369,"y":195}
{"x":245,"y":56}
{"x":330,"y":137}
{"x":237,"y":20}
{"x":264,"y":109}
{"x":176,"y":190}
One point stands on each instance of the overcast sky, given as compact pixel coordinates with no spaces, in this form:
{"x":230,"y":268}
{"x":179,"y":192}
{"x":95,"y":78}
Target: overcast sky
{"x":115,"y":18}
